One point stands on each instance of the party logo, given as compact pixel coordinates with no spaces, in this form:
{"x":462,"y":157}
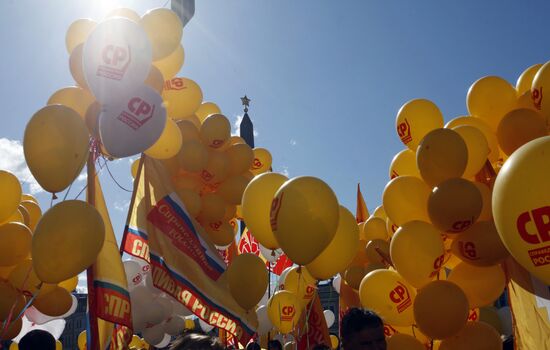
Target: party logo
{"x":536,"y":96}
{"x":400,"y":296}
{"x":459,"y":226}
{"x":206,"y":175}
{"x":287,"y":313}
{"x":215,"y":225}
{"x":404,"y":131}
{"x":175,"y":84}
{"x":139,"y":112}
{"x":275,"y":207}
{"x":539,"y":222}
{"x":473,"y":315}
{"x":393,"y":175}
{"x":468,"y":250}
{"x":438,"y":262}
{"x":116,"y":60}
{"x":309,"y":292}
{"x":257,"y":164}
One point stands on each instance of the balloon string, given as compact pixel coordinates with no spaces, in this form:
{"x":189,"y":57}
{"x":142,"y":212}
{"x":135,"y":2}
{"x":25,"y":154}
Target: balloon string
{"x":112,"y":177}
{"x":166,"y":3}
{"x":97,"y":173}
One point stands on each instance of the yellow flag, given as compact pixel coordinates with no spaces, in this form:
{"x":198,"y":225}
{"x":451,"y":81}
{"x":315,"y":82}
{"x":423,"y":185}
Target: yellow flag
{"x":362,"y":213}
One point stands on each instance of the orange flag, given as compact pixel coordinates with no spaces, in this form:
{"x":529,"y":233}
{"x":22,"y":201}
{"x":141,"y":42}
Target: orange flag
{"x":362,"y":213}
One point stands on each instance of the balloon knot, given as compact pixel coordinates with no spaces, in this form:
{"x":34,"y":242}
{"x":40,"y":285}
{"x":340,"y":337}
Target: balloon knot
{"x":54,"y":197}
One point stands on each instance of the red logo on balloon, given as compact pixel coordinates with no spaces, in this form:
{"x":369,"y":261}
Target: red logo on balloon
{"x":404,"y":131}
{"x":460,"y":226}
{"x":473,"y":315}
{"x":116,"y":60}
{"x":438,"y":262}
{"x":468,"y":250}
{"x":275,"y":207}
{"x":256,"y":164}
{"x":175,"y":84}
{"x":139,"y":112}
{"x":541,"y":219}
{"x":400,"y":296}
{"x":206,"y":175}
{"x":536,"y":96}
{"x":287,"y":313}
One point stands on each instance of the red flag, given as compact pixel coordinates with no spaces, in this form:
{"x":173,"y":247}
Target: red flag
{"x":362,"y":213}
{"x":316,"y":331}
{"x":248,"y":244}
{"x":348,"y":298}
{"x":281,"y":264}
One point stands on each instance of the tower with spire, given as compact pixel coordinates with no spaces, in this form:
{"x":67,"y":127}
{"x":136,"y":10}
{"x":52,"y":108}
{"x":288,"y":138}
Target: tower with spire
{"x":246,"y":127}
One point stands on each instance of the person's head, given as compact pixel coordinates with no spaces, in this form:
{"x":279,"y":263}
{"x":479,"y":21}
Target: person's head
{"x":253,"y":346}
{"x":196,"y":341}
{"x":274,"y":345}
{"x":362,"y":329}
{"x":37,"y":339}
{"x":321,"y":347}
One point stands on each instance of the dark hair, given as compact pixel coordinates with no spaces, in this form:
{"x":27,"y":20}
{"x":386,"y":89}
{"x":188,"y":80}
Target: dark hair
{"x":196,"y":341}
{"x":274,"y":345}
{"x":253,"y":346}
{"x":321,"y":347}
{"x":37,"y":339}
{"x":356,"y":319}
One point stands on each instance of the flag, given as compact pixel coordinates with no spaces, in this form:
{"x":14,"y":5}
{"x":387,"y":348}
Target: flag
{"x":316,"y":331}
{"x":348,"y":299}
{"x":248,"y":244}
{"x":110,"y":298}
{"x":361,"y":213}
{"x":530,"y":305}
{"x":281,"y":264}
{"x":185,"y":264}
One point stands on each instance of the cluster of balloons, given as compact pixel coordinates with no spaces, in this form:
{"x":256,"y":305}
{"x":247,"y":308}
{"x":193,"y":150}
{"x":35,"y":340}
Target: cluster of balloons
{"x":37,"y":272}
{"x":155,"y":315}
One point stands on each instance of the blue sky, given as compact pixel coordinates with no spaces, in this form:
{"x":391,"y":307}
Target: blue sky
{"x":326,"y":78}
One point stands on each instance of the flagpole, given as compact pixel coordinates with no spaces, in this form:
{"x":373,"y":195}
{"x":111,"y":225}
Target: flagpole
{"x":92,"y":312}
{"x":132,"y":203}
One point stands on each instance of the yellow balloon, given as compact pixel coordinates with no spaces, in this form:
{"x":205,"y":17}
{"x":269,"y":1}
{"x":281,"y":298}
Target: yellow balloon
{"x":391,"y":330}
{"x":478,"y":148}
{"x":189,"y":324}
{"x":440,"y":309}
{"x":335,"y":342}
{"x":24,"y":278}
{"x":284,"y":311}
{"x":482,"y":285}
{"x":29,"y":197}
{"x":124,"y":12}
{"x":241,"y":157}
{"x":490,"y":98}
{"x":301,"y":283}
{"x":10,"y":187}
{"x":442,"y":155}
{"x":262,"y":161}
{"x":540,"y":81}
{"x":415,"y":119}
{"x":256,"y":206}
{"x":187,"y":181}
{"x":215,"y":131}
{"x":75,"y":66}
{"x":454,"y":205}
{"x":405,"y":199}
{"x":73,"y":97}
{"x":404,"y":163}
{"x":490,"y":316}
{"x":54,"y":303}
{"x":170,"y":65}
{"x":525,"y":80}
{"x":391,"y":228}
{"x":404,"y":341}
{"x":304,"y":217}
{"x":78,"y":33}
{"x":374,"y":228}
{"x":217,"y":168}
{"x":193,"y":156}
{"x":247,"y":276}
{"x":519,"y":127}
{"x":486,"y":195}
{"x":135,"y":167}
{"x":521,"y":206}
{"x":474,"y":336}
{"x":79,"y":227}
{"x":354,"y":275}
{"x":12,"y":330}
{"x":191,"y":200}
{"x":340,"y":251}
{"x":232,"y":189}
{"x":69,"y":284}
{"x":168,"y":144}
{"x":155,"y":79}
{"x":58,"y":345}
{"x":420,"y":242}
{"x":482,"y":126}
{"x":15,"y":243}
{"x":380,"y":212}
{"x":182,"y":97}
{"x":206,"y":109}
{"x":389,"y":295}
{"x":212,"y":208}
{"x":9,"y":296}
{"x":164,"y":29}
{"x":360,"y":254}
{"x":34,"y":212}
{"x":480,"y":245}
{"x":378,"y":251}
{"x":82,"y":340}
{"x":55,"y":146}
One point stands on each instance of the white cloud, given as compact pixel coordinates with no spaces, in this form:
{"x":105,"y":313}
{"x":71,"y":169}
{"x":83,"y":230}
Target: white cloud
{"x":293,"y":142}
{"x":237,"y":126}
{"x":12,"y":159}
{"x":82,"y":177}
{"x":121,"y":205}
{"x":82,"y":286}
{"x":284,"y":171}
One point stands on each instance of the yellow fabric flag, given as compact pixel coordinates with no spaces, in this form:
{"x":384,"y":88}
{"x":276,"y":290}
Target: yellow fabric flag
{"x":361,"y":213}
{"x":112,"y":300}
{"x":185,"y":264}
{"x":530,"y":305}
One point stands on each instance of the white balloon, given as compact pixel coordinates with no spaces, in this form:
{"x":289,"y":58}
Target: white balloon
{"x":150,"y":286}
{"x":282,"y":278}
{"x":144,"y":266}
{"x":133,"y":274}
{"x":205,"y":326}
{"x":329,"y":317}
{"x":506,"y":320}
{"x":165,"y":341}
{"x":336,"y":283}
{"x":270,"y":255}
{"x":264,"y":323}
{"x":166,"y":306}
{"x":116,"y":57}
{"x":154,"y":334}
{"x":174,"y":325}
{"x":155,"y":313}
{"x":133,"y":123}
{"x":54,"y":327}
{"x":179,"y":309}
{"x":35,"y":316}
